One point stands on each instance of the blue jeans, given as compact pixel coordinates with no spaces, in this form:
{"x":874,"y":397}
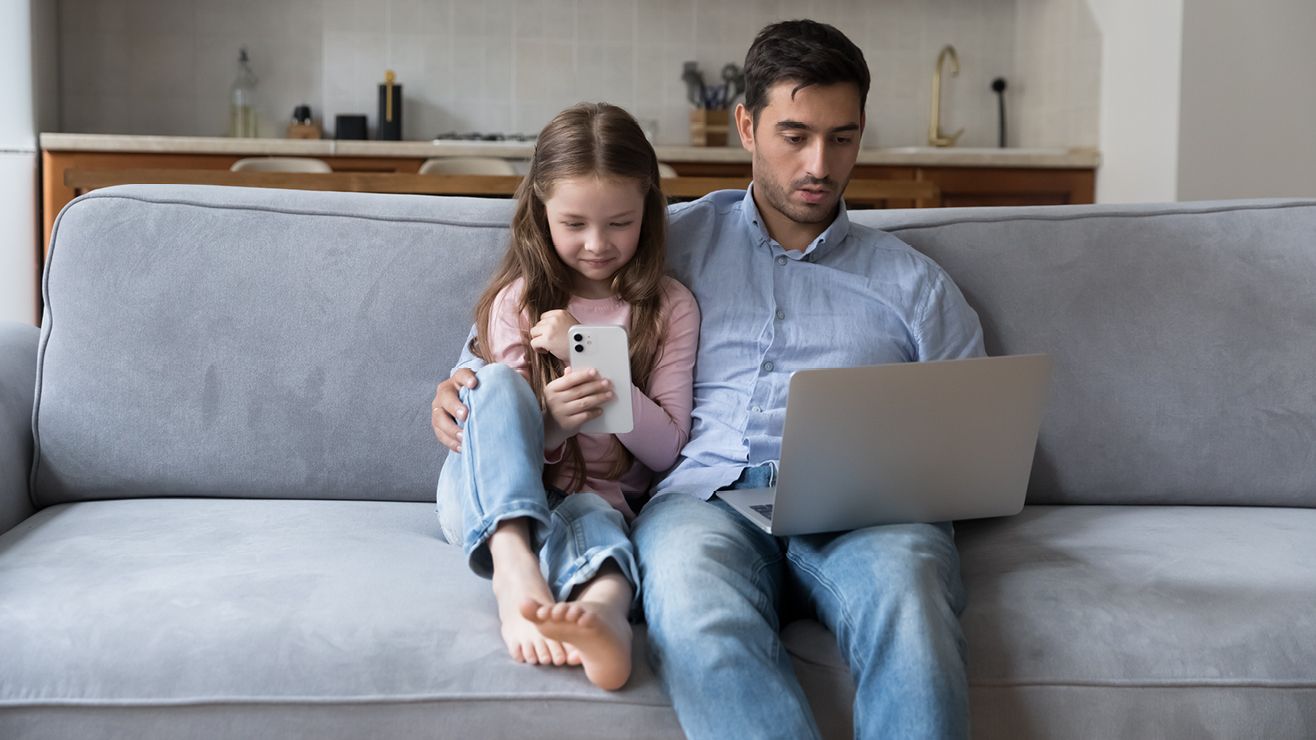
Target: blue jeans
{"x":499,"y":476}
{"x":715,"y":586}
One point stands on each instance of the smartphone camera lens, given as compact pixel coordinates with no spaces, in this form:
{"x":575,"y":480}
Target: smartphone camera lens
{"x":580,"y":348}
{"x":579,"y":338}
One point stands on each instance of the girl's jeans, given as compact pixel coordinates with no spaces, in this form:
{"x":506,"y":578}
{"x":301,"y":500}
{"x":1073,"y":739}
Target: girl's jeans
{"x":498,"y":475}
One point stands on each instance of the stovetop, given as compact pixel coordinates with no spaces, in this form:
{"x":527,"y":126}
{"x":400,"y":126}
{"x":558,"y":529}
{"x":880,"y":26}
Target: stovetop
{"x":477,"y":136}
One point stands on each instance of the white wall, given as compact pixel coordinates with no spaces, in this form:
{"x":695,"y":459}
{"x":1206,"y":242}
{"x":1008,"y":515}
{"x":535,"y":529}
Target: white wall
{"x":1140,"y":88}
{"x":1053,"y":99}
{"x":20,"y":22}
{"x":18,"y":114}
{"x":1247,"y":122}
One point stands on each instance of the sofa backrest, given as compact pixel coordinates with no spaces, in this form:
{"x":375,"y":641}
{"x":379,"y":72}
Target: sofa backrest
{"x":1183,"y":336}
{"x":235,"y":342}
{"x":203,"y":341}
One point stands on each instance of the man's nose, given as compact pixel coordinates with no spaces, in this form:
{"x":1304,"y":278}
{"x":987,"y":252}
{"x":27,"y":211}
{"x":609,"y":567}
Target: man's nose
{"x":816,"y":160}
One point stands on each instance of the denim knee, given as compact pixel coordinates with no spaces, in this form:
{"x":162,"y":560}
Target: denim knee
{"x":500,"y":386}
{"x":498,"y":474}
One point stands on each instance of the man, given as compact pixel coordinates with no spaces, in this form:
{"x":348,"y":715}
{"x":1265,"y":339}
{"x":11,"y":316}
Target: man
{"x":786,"y":282}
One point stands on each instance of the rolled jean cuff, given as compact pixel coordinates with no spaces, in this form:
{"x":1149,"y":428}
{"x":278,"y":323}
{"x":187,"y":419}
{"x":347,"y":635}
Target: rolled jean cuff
{"x":584,"y":568}
{"x":477,"y":539}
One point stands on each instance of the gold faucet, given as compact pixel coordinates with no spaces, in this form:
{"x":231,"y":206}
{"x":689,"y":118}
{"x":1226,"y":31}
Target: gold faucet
{"x":935,"y":137}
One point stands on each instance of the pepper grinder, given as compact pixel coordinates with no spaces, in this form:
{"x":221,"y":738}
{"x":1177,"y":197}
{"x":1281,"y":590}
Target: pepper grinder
{"x":302,"y":125}
{"x":390,"y":108}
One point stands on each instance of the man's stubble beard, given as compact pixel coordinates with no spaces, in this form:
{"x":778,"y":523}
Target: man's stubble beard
{"x":779,"y":198}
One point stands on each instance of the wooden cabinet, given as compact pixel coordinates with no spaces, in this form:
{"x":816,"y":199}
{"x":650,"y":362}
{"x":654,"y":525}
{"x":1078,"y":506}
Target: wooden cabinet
{"x":974,"y":186}
{"x":959,"y":186}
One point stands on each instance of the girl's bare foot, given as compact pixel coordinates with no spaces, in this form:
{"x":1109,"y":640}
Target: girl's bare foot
{"x":598,"y":631}
{"x":516,"y":578}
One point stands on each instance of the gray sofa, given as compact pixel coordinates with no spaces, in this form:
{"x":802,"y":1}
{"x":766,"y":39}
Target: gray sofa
{"x":216,"y":478}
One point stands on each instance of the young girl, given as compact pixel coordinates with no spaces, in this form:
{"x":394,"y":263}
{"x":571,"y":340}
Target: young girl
{"x":539,"y":508}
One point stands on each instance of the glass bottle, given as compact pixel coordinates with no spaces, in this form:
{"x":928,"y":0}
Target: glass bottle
{"x":242,"y":100}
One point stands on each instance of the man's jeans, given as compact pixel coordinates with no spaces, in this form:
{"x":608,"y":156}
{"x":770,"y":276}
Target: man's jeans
{"x":714,"y":587}
{"x":499,"y":475}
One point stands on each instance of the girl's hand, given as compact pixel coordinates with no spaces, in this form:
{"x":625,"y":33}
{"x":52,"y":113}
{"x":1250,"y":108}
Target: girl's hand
{"x":572,"y":400}
{"x":550,"y":334}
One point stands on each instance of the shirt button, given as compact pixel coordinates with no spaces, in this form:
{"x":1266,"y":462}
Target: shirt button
{"x":781,"y":259}
{"x":757,"y":409}
{"x":767,"y":366}
{"x":780,"y":314}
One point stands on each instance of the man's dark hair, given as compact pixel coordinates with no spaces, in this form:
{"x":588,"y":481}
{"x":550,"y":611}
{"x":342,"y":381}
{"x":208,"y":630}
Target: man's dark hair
{"x":806,"y":53}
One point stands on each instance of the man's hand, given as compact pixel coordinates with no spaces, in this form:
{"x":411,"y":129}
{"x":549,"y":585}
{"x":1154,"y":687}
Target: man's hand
{"x":447,"y":410}
{"x":572,"y":400}
{"x":550,"y":334}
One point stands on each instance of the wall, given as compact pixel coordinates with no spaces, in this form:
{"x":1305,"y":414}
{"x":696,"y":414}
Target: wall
{"x":27,"y":42}
{"x":1259,"y":57}
{"x":164,"y":66}
{"x":1139,"y":110}
{"x":1057,"y":67}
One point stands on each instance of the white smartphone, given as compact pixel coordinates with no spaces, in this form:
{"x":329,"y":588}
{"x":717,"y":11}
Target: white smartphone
{"x":606,"y":349}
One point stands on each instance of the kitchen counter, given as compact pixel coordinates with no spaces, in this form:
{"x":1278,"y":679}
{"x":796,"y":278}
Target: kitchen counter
{"x":1079,"y":158}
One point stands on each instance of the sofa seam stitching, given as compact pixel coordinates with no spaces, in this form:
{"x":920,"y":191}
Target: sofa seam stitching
{"x":286,"y":211}
{"x":294,"y":700}
{"x":1120,"y":214}
{"x":1223,"y":684}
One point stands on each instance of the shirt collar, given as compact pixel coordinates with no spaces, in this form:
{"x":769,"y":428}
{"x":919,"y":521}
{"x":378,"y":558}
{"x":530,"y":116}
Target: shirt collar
{"x":834,"y":234}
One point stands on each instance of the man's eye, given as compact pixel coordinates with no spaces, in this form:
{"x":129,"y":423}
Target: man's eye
{"x":843,"y":140}
{"x":794,"y":139}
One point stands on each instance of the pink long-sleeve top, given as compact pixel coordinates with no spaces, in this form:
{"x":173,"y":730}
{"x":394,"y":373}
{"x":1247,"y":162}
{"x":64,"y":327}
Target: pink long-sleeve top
{"x":662,"y":415}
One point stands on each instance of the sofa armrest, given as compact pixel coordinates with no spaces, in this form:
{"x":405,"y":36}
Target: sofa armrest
{"x":18,"y":379}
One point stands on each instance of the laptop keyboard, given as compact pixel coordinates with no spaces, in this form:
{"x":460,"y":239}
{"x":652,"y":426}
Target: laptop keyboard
{"x":764,"y":509}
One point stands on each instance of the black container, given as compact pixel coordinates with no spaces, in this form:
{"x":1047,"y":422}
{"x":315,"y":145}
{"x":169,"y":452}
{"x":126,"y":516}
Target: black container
{"x":390,"y":111}
{"x":350,"y":126}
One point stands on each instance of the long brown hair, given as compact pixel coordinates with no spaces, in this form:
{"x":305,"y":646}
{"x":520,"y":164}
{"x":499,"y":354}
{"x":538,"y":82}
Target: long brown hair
{"x":585,"y":140}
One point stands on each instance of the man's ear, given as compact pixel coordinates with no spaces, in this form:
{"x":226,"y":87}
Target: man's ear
{"x":745,"y":127}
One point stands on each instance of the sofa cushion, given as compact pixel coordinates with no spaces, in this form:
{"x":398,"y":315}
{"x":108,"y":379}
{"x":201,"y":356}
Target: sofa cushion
{"x":243,"y":342}
{"x":203,"y":618}
{"x":1088,"y":621}
{"x":1182,"y":336}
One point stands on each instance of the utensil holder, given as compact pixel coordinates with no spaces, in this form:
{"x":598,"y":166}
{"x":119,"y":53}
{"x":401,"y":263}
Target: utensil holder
{"x":709,"y":127}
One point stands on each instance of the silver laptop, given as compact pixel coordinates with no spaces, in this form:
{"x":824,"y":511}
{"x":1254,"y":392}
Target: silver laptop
{"x":905,"y":442}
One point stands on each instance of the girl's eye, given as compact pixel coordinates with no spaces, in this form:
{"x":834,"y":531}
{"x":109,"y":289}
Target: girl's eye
{"x":622,"y":224}
{"x":572,"y":225}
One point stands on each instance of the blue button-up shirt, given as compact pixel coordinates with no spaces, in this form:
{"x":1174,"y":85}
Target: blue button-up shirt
{"x":855,"y":296}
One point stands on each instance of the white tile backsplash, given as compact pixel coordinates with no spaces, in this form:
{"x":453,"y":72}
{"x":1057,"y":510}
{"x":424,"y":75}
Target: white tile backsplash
{"x":165,"y":66}
{"x":432,"y":17}
{"x":605,"y":21}
{"x":607,"y":72}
